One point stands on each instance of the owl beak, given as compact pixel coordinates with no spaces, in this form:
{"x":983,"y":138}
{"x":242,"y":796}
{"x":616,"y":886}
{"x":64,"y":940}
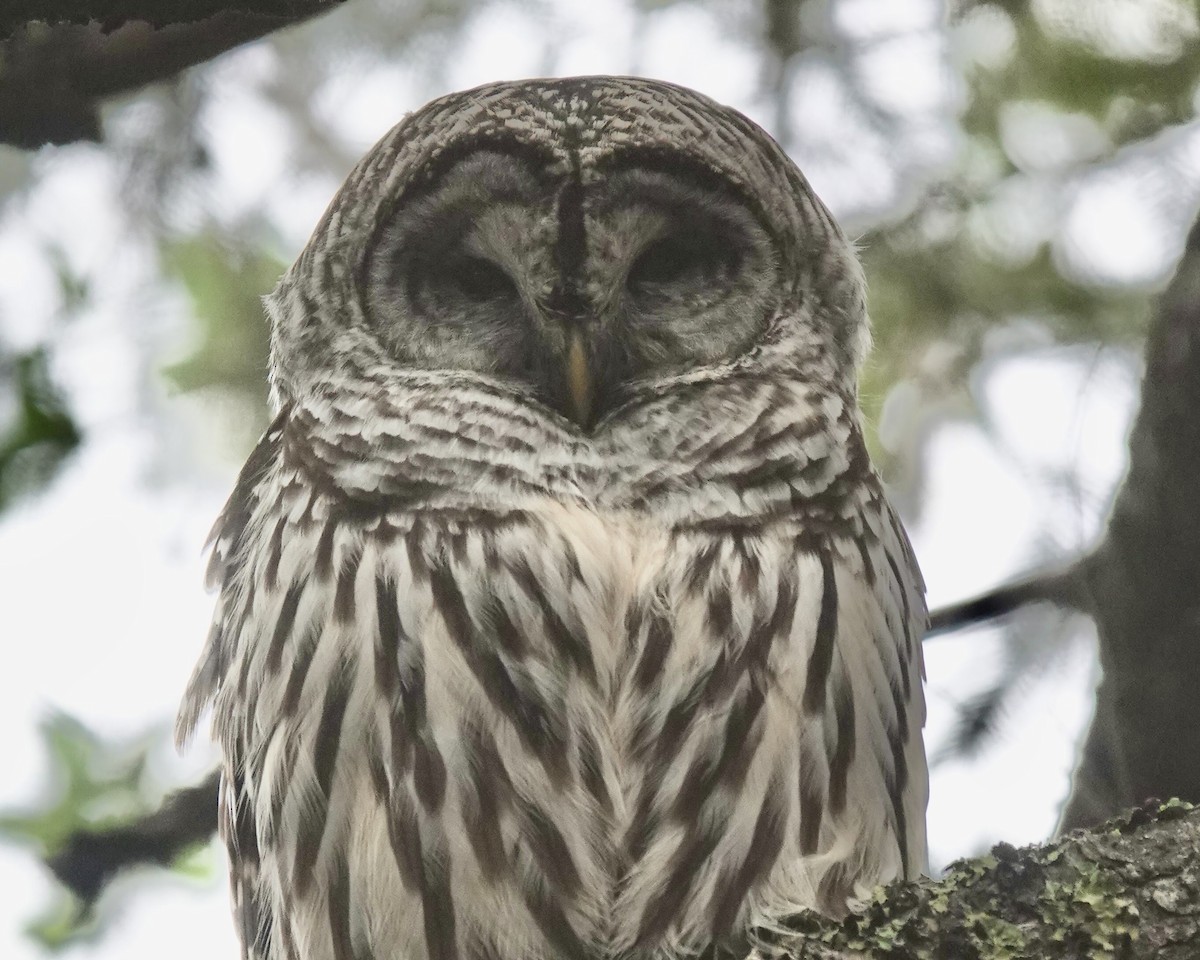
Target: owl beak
{"x":579,"y":379}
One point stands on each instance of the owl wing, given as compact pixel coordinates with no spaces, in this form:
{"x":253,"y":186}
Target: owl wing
{"x":310,"y":677}
{"x":863,"y":779}
{"x":864,"y":678}
{"x":229,"y":553}
{"x":376,"y":669}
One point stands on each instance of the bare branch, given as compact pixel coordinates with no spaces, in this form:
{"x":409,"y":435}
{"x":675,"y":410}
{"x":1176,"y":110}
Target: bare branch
{"x":91,"y":859}
{"x":1065,"y":588}
{"x":53,"y":78}
{"x":110,"y":14}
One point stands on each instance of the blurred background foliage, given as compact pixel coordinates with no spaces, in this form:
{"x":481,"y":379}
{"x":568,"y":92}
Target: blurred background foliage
{"x":982,"y":155}
{"x":94,"y":784}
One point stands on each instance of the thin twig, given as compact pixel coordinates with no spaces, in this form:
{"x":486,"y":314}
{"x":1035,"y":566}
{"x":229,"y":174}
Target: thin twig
{"x":1061,"y":587}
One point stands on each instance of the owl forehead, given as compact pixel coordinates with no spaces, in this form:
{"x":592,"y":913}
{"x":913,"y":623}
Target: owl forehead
{"x":584,"y":129}
{"x":587,"y":127}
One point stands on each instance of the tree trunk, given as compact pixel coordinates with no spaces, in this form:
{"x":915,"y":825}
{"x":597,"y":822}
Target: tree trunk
{"x":1143,"y":583}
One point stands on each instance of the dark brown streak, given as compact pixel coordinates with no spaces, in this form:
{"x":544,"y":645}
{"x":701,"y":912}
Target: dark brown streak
{"x":325,"y":753}
{"x":405,"y":838}
{"x":492,"y":789}
{"x":339,"y":909}
{"x":654,"y":651}
{"x":642,"y":826}
{"x":551,"y":920}
{"x":865,"y":554}
{"x":679,"y":718}
{"x":701,"y":566}
{"x":550,"y":851}
{"x":403,"y":696}
{"x":742,"y":735}
{"x":811,"y":803}
{"x":240,"y":826}
{"x":750,"y":566}
{"x":695,"y":789}
{"x":429,"y":773}
{"x":329,"y":731}
{"x":908,"y":640}
{"x":495,"y":614}
{"x":540,"y":730}
{"x":283,"y":626}
{"x":305,"y":650}
{"x":665,"y":906}
{"x":418,"y":563}
{"x":843,"y":754}
{"x":821,"y":658}
{"x":437,"y":905}
{"x":274,"y":555}
{"x":765,"y":847}
{"x":592,"y":774}
{"x":898,"y":740}
{"x":388,"y":640}
{"x":720,"y":612}
{"x":563,"y":639}
{"x":343,"y":601}
{"x":323,"y":558}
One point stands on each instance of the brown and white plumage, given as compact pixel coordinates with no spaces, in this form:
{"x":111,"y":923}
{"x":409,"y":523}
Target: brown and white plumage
{"x":509,"y":665}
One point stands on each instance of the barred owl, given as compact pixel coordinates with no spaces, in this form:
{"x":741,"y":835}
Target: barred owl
{"x":560,"y":611}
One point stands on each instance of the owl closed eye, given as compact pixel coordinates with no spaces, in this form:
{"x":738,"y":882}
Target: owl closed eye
{"x":504,"y":264}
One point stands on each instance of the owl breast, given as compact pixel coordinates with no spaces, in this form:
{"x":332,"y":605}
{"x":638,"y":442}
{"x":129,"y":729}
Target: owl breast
{"x":591,"y":727}
{"x":498,"y":716}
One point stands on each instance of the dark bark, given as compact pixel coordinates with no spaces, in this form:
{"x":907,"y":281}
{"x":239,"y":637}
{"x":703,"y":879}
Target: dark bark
{"x":54,"y":76}
{"x":1144,"y":583}
{"x":110,"y":14}
{"x":1141,"y":585}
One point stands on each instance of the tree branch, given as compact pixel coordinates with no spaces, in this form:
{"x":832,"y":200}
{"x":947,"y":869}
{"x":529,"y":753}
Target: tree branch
{"x":92,"y":858}
{"x":54,"y":77}
{"x":1130,"y":889}
{"x":1066,"y":588}
{"x":110,"y":14}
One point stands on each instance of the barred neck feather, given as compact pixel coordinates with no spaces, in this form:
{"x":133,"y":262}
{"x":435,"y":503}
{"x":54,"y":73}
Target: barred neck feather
{"x":765,"y":436}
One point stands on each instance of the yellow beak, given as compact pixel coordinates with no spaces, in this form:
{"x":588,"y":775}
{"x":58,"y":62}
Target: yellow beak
{"x":579,"y":379}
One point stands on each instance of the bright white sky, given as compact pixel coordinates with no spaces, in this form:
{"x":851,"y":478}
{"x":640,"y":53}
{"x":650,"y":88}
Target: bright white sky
{"x":104,"y":611}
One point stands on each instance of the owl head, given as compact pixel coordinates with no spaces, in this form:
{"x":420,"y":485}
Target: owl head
{"x":577,"y":240}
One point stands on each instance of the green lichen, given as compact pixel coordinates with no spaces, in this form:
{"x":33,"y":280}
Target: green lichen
{"x":1091,"y":907}
{"x":995,"y":938}
{"x":1175,"y":805}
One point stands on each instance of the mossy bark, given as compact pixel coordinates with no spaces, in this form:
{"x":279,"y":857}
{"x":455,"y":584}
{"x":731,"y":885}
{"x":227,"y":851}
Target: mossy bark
{"x":1127,"y":890}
